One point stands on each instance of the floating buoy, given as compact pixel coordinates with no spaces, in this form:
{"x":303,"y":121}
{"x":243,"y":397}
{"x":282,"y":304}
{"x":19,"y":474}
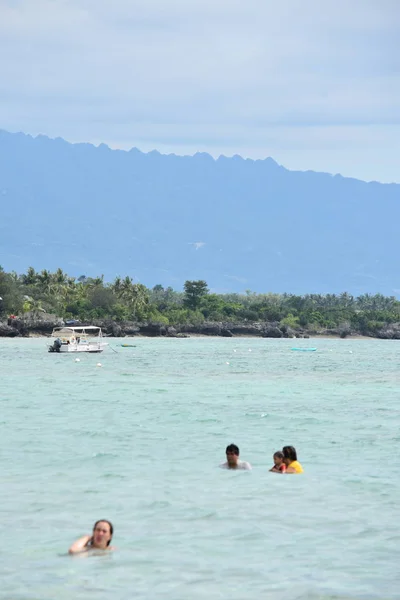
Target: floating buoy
{"x":227,"y":363}
{"x":77,"y":360}
{"x":249,"y":349}
{"x":98,"y":365}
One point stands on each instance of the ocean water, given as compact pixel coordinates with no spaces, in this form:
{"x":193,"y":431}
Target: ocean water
{"x":139,"y":439}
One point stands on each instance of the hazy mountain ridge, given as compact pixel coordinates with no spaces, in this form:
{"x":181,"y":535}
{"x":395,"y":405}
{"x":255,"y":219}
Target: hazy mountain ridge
{"x":237,"y":223}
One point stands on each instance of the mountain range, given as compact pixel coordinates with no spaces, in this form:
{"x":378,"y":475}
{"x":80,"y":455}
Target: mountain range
{"x":162,"y":219}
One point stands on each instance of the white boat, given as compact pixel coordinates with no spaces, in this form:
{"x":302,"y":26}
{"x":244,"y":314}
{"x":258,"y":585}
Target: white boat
{"x":87,"y":338}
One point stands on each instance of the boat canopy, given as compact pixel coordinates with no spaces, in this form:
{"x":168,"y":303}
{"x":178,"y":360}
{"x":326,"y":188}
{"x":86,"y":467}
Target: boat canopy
{"x":72,"y":331}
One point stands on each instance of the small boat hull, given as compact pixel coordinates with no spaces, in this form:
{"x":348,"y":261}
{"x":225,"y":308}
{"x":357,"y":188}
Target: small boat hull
{"x":68,"y":348}
{"x":304,"y":349}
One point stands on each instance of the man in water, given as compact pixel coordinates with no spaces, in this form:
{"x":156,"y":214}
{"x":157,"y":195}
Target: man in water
{"x":232,"y":459}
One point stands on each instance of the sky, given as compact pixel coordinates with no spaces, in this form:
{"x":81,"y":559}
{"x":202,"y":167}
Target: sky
{"x":315,"y":85}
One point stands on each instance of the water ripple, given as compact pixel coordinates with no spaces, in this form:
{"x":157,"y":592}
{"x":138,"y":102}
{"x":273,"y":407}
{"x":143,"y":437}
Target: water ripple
{"x":140,"y":440}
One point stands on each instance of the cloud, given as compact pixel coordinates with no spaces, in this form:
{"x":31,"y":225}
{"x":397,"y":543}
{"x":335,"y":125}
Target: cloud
{"x":197,"y":245}
{"x":257,"y":77}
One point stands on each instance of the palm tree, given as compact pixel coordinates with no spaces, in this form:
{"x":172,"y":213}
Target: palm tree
{"x":116,"y":285}
{"x":139,"y":298}
{"x":98,"y":280}
{"x":32,"y":305}
{"x":45,"y":280}
{"x":30,"y":278}
{"x":135,"y":295}
{"x":60,"y":277}
{"x":346,"y":299}
{"x":93,"y":282}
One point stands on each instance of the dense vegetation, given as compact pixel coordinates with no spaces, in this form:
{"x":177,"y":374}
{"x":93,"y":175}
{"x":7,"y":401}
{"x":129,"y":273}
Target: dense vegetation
{"x":88,"y":299}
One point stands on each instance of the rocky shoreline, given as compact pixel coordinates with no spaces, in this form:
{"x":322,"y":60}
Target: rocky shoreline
{"x":33,"y":325}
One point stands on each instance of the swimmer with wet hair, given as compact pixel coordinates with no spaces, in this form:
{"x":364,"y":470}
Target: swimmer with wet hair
{"x":279,"y":464}
{"x":290,"y":460}
{"x":232,"y":459}
{"x":99,"y":539}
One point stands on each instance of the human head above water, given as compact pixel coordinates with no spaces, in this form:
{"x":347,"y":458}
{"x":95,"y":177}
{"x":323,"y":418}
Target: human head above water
{"x":289,"y":454}
{"x":278,"y":457}
{"x":102,"y":532}
{"x":232,"y":449}
{"x":232,"y":454}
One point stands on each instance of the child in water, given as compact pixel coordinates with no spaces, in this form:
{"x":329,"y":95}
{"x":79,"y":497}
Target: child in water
{"x":279,"y":465}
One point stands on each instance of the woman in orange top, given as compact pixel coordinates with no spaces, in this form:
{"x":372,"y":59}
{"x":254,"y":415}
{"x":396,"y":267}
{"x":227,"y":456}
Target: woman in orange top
{"x":290,"y":460}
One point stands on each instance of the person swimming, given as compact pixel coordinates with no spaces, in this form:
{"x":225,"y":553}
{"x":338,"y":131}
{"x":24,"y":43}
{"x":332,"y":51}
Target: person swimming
{"x":232,"y":459}
{"x":99,"y":539}
{"x":279,"y":464}
{"x":290,"y":460}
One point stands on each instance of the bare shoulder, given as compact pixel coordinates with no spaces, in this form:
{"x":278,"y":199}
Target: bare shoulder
{"x":246,"y":466}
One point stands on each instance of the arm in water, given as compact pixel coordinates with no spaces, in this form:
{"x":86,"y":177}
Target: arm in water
{"x":80,"y":545}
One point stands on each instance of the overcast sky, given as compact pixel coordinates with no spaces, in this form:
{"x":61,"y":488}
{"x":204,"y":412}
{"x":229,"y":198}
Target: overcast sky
{"x":314,"y":84}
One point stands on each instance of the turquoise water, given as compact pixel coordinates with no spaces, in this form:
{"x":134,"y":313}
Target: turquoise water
{"x":139,"y":440}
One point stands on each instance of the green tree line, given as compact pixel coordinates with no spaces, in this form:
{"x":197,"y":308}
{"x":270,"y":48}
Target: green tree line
{"x":89,"y":298}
